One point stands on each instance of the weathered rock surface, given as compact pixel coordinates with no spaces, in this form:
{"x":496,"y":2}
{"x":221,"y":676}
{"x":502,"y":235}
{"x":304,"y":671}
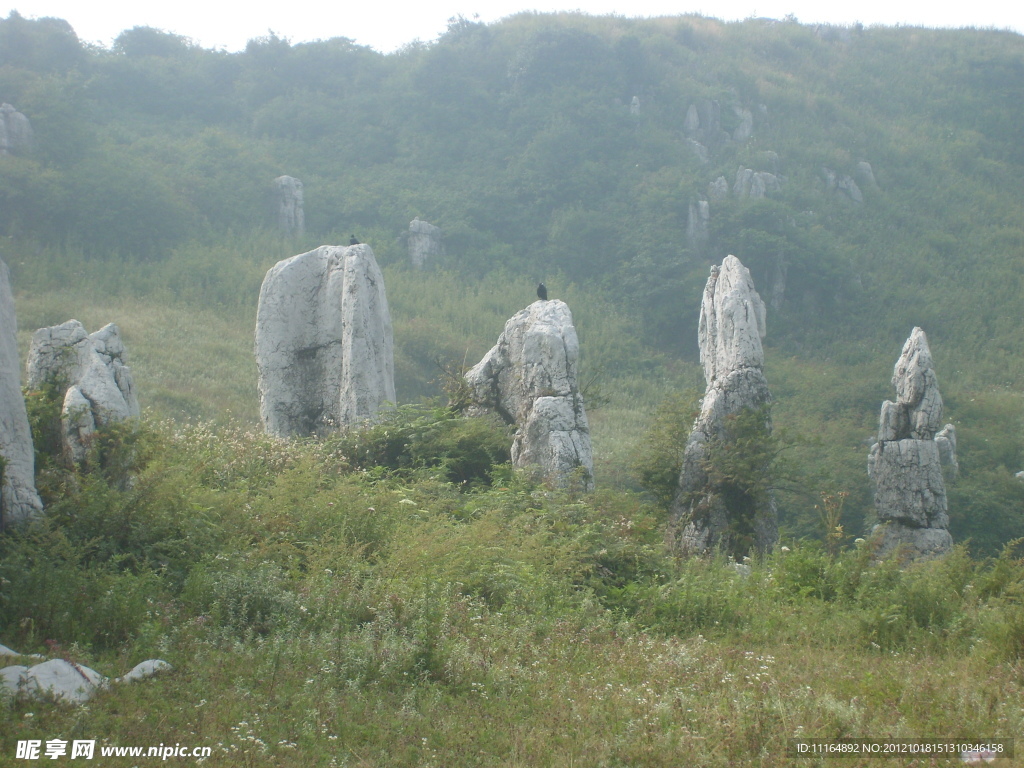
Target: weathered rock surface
{"x":703,"y":122}
{"x":732,"y":324}
{"x":145,"y":669}
{"x":425,"y":243}
{"x":92,"y":370}
{"x":64,"y":680}
{"x":867,"y":175}
{"x":15,"y":132}
{"x":288,"y":205}
{"x":718,"y":189}
{"x":745,"y":129}
{"x":842,"y":184}
{"x":18,"y":497}
{"x":946,"y":440}
{"x":530,"y":378}
{"x":324,"y":344}
{"x":905,"y":465}
{"x":755,"y":185}
{"x":698,"y":225}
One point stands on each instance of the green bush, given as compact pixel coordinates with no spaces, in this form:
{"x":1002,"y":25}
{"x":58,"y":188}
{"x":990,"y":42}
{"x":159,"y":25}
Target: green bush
{"x":416,"y":437}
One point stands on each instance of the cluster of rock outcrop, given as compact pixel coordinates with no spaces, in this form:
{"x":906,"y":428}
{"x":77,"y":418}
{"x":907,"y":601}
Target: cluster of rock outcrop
{"x":288,"y":205}
{"x":530,"y":378}
{"x":324,"y":344}
{"x":15,"y":132}
{"x":18,"y":497}
{"x":905,"y":465}
{"x":425,"y":243}
{"x":63,"y":680}
{"x":92,"y":372}
{"x":732,"y":324}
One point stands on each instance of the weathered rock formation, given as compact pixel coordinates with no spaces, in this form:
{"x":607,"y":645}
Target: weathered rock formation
{"x":732,"y":324}
{"x":530,"y":378}
{"x":842,"y":184}
{"x":425,"y":243}
{"x":288,"y":202}
{"x":718,"y":189}
{"x":324,"y":345}
{"x":755,"y":185}
{"x":905,"y":465}
{"x":15,"y":132}
{"x":698,"y":225}
{"x":867,"y":175}
{"x":703,"y":123}
{"x":93,"y":374}
{"x":64,"y":680}
{"x":18,"y":497}
{"x":745,"y":129}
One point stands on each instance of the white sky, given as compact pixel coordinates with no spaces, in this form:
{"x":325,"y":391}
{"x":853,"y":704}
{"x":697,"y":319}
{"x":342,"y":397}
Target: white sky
{"x":387,"y":25}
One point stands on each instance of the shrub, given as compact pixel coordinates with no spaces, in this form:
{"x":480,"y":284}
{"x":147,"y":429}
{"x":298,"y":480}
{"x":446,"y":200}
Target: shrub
{"x":412,"y":437}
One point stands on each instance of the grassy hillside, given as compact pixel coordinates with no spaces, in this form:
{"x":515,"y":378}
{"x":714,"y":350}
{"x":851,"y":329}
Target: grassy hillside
{"x":389,"y":597}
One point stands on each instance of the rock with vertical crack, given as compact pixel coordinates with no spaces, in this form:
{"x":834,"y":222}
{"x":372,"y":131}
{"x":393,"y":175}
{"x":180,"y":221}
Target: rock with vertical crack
{"x":705,"y":513}
{"x":324,"y":344}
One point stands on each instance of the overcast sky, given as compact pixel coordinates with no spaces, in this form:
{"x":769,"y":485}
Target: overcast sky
{"x":387,"y":25}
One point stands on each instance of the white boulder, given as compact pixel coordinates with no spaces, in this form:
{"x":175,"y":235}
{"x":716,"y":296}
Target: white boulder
{"x":92,"y":371}
{"x":530,"y":378}
{"x":324,"y":344}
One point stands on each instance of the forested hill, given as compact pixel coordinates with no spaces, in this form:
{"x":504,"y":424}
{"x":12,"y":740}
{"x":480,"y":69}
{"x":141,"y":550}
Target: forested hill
{"x":584,"y":151}
{"x":519,"y":140}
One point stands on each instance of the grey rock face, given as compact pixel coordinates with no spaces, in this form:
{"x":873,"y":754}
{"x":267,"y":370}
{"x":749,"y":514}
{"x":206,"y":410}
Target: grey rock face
{"x":745,"y":129}
{"x":699,"y":151}
{"x":946,"y":440}
{"x":324,"y":344}
{"x":15,"y":132}
{"x":18,"y":497}
{"x":288,"y":204}
{"x":64,"y":680}
{"x":698,"y":225}
{"x":425,"y":243}
{"x":905,"y":465}
{"x":144,"y":669}
{"x":842,"y":184}
{"x":732,"y":324}
{"x":867,"y":175}
{"x":93,"y":371}
{"x":703,"y":122}
{"x":718,"y":189}
{"x":530,"y":378}
{"x":755,"y":185}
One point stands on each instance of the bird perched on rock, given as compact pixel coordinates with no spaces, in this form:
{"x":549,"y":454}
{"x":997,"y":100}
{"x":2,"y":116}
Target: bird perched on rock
{"x":353,"y":241}
{"x":542,"y":292}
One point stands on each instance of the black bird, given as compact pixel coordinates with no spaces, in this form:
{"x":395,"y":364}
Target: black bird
{"x":542,"y":292}
{"x":352,"y":240}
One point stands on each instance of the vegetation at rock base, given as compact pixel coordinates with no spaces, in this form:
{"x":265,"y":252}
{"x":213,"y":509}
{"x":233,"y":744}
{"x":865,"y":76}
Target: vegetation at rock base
{"x":400,"y":596}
